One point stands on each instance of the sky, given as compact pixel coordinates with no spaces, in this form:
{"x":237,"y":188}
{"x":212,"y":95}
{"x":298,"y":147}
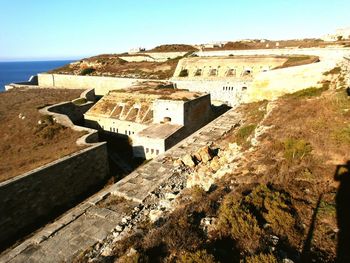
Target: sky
{"x":73,"y":29}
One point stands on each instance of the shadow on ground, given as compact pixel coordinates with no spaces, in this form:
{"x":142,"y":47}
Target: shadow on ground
{"x":342,"y":175}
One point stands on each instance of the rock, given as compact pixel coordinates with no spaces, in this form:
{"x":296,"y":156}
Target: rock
{"x":107,"y":251}
{"x":287,"y":260}
{"x":126,"y":219}
{"x":215,"y":164}
{"x":119,"y":228}
{"x":188,"y":161}
{"x":169,"y":196}
{"x":178,"y":162}
{"x":274,"y":240}
{"x":154,"y":215}
{"x":165,"y":204}
{"x":205,"y":154}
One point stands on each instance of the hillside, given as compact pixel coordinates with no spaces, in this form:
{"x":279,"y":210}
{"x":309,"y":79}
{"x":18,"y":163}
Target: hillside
{"x":111,"y":65}
{"x":173,"y":48}
{"x":273,"y":189}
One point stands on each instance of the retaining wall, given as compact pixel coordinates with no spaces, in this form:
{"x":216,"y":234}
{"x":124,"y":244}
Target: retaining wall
{"x":30,"y":197}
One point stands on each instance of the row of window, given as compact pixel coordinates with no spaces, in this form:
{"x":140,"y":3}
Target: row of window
{"x":152,"y":151}
{"x":113,"y":129}
{"x":232,"y":88}
{"x":214,"y":72}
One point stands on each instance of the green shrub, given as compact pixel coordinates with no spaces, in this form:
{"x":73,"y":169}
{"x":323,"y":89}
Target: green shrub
{"x":87,"y":71}
{"x":238,"y":223}
{"x":244,"y":132}
{"x":200,"y":256}
{"x":296,"y":149}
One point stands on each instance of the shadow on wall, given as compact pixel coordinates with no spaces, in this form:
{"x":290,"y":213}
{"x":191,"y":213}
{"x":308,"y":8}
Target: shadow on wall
{"x":342,"y":175}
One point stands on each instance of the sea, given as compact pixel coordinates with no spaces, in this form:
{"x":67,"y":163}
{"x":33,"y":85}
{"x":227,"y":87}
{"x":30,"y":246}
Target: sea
{"x":21,"y":71}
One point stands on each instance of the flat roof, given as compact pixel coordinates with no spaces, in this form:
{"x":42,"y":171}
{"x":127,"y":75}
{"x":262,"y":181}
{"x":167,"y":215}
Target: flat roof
{"x":157,"y":90}
{"x":159,"y":130}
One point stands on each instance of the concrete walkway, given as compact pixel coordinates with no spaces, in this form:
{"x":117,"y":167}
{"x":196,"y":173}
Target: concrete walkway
{"x":88,"y":223}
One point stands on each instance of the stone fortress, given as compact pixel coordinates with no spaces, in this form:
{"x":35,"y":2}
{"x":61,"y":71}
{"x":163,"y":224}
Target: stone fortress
{"x":165,"y":119}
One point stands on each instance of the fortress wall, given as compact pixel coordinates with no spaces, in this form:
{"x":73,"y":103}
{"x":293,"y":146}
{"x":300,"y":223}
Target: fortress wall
{"x":227,"y":91}
{"x":29,"y":198}
{"x":272,"y":84}
{"x":224,"y":64}
{"x":102,"y":85}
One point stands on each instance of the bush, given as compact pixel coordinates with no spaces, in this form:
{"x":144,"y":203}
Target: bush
{"x":244,"y":132}
{"x":237,"y":222}
{"x":296,"y":148}
{"x":274,"y":208}
{"x":87,"y":71}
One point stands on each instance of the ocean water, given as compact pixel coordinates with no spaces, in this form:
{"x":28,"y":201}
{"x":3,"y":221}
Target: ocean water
{"x":21,"y":71}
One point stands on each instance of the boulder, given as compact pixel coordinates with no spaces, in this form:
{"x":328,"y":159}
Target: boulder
{"x":205,"y":154}
{"x":178,"y":162}
{"x":188,"y":160}
{"x":215,"y":164}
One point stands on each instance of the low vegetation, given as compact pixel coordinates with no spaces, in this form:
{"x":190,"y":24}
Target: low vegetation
{"x":30,"y":139}
{"x":333,"y":71}
{"x":173,"y":48}
{"x":299,"y":60}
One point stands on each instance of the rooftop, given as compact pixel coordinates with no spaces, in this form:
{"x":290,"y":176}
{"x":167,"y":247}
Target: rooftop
{"x":159,"y":130}
{"x":136,"y":103}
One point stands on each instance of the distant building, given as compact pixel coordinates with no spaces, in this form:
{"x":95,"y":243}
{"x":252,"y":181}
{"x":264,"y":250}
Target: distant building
{"x":154,"y":115}
{"x":136,"y":50}
{"x":340,"y":34}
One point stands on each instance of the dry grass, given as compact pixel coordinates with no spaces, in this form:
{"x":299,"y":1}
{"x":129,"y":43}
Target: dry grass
{"x":25,"y":144}
{"x":112,"y":65}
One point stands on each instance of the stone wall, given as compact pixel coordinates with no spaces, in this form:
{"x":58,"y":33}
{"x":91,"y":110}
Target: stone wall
{"x":228,"y":68}
{"x":30,"y":197}
{"x":102,"y":85}
{"x":230,"y":92}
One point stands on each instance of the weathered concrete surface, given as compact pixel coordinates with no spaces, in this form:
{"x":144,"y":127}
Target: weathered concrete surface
{"x":87,"y":224}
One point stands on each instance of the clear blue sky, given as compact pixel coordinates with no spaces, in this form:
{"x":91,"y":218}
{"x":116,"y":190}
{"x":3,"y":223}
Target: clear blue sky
{"x":52,"y":29}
